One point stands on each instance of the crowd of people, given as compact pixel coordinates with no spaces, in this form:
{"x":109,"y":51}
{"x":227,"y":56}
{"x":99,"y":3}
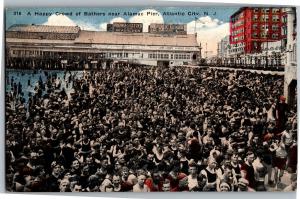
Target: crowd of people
{"x":149,"y":129}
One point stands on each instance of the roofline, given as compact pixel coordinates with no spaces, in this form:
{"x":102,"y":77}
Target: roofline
{"x":24,"y":25}
{"x":138,"y":33}
{"x":238,"y":12}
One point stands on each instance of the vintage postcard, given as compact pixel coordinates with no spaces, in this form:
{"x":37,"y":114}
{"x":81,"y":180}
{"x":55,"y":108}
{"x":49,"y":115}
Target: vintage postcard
{"x":151,"y":99}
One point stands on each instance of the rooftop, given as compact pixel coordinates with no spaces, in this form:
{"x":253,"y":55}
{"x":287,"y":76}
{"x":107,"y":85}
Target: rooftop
{"x":43,"y":28}
{"x":103,"y":37}
{"x":118,"y":38}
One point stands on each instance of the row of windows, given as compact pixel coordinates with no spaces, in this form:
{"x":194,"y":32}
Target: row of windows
{"x":241,"y":49}
{"x":236,"y":32}
{"x":166,"y":56}
{"x":264,"y":35}
{"x":158,"y":56}
{"x":27,"y":52}
{"x":103,"y":55}
{"x":237,"y":45}
{"x":238,"y":38}
{"x":48,"y":53}
{"x":271,"y":48}
{"x":117,"y":55}
{"x":274,"y":27}
{"x":237,"y":24}
{"x":266,"y":10}
{"x":265,"y":18}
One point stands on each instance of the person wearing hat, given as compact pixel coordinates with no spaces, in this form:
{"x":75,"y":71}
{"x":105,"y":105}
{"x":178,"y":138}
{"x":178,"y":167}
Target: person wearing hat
{"x":282,"y":110}
{"x":52,"y":180}
{"x":210,"y":173}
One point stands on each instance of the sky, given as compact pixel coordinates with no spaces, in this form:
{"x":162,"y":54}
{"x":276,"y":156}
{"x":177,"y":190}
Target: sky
{"x":212,"y":23}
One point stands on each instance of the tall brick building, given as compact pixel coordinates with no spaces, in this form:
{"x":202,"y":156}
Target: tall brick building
{"x":251,"y":26}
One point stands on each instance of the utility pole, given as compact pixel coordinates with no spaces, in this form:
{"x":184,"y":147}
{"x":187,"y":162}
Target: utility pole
{"x":200,"y":49}
{"x":206,"y":51}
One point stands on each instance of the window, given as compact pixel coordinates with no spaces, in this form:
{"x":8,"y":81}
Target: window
{"x":255,"y":17}
{"x":264,"y":18}
{"x":284,"y":30}
{"x":267,"y":18}
{"x":275,"y":18}
{"x":275,"y":10}
{"x":263,"y":35}
{"x":274,"y":27}
{"x":265,"y":27}
{"x":284,"y":19}
{"x":275,"y":36}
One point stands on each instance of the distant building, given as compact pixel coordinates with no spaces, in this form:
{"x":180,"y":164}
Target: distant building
{"x":125,"y":27}
{"x":274,"y":51}
{"x":179,"y":29}
{"x":224,"y":47}
{"x":43,"y":32}
{"x":70,"y":47}
{"x":250,"y":26}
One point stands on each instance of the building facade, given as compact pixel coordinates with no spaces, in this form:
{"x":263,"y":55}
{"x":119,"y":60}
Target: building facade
{"x":71,"y":47}
{"x":179,"y":29}
{"x":290,"y":75}
{"x":125,"y":27}
{"x":251,"y":26}
{"x":223,"y":50}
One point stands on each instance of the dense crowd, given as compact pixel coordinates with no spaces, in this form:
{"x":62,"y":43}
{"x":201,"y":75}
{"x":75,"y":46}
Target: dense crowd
{"x":148,"y":129}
